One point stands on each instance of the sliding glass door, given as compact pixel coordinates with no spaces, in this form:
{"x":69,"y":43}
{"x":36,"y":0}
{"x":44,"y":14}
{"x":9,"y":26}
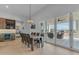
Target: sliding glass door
{"x":50,"y":31}
{"x":62,"y":31}
{"x":76,"y":30}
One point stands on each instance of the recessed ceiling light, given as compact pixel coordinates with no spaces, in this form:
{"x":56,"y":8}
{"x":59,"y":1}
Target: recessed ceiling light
{"x":7,"y":6}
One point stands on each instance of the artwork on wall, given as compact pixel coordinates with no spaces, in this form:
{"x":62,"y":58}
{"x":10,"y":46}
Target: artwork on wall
{"x":33,"y":26}
{"x":22,"y":27}
{"x":41,"y":24}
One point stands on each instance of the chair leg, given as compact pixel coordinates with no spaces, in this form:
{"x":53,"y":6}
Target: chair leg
{"x":32,"y":48}
{"x":38,"y":43}
{"x":28,"y":45}
{"x":42,"y":43}
{"x":22,"y":41}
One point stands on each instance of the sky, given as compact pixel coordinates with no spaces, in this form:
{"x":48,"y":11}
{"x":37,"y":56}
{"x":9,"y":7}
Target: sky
{"x":63,"y":26}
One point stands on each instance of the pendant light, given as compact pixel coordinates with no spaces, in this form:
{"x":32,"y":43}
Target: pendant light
{"x":30,"y":21}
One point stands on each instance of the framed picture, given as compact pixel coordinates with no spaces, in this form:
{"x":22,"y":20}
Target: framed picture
{"x":33,"y":26}
{"x":41,"y":24}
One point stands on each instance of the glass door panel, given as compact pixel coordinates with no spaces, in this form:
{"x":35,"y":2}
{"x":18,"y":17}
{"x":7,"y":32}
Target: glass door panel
{"x":50,"y":31}
{"x":76,"y":30}
{"x":62,"y":31}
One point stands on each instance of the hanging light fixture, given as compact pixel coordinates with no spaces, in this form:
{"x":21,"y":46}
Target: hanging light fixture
{"x":30,"y":21}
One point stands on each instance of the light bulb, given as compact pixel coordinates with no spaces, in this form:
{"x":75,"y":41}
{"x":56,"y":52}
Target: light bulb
{"x":7,"y":6}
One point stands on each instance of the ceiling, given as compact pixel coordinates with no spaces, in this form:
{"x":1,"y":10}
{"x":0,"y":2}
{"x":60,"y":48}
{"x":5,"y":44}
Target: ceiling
{"x":20,"y":10}
{"x":38,"y":11}
{"x":55,"y":10}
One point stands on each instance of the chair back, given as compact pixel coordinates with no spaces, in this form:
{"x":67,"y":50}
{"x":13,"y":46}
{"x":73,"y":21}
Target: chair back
{"x":37,"y":34}
{"x":42,"y":35}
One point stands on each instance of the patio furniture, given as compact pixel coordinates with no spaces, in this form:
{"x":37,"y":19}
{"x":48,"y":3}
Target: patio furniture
{"x":60,"y":35}
{"x":50,"y":35}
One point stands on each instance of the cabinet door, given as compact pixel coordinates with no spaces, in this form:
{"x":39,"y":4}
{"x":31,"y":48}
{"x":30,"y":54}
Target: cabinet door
{"x":10,"y":24}
{"x":2,"y":23}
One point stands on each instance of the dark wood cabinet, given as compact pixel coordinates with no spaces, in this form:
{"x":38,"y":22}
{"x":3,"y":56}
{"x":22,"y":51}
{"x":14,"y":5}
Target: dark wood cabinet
{"x":6,"y":25}
{"x":2,"y":23}
{"x":10,"y":24}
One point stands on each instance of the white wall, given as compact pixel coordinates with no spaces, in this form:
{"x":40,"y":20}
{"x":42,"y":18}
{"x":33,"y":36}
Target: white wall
{"x":9,"y":16}
{"x":26,"y":28}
